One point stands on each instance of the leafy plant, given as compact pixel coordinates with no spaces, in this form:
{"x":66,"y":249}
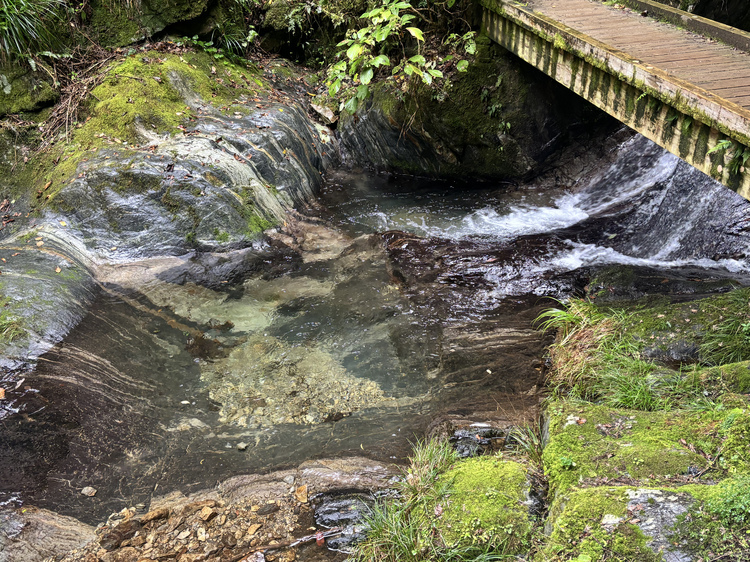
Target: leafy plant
{"x":391,"y":39}
{"x":567,"y":463}
{"x":721,"y":146}
{"x":28,"y":26}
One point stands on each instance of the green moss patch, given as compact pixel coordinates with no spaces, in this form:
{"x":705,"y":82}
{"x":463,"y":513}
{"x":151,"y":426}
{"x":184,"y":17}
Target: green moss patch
{"x":22,"y":90}
{"x":11,"y":326}
{"x":485,"y":505}
{"x":591,"y":444}
{"x":719,"y":324}
{"x":593,"y":524}
{"x":451,"y":509}
{"x":144,"y":92}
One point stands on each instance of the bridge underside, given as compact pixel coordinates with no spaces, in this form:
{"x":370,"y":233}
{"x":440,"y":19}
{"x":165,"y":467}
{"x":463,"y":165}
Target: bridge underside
{"x":695,"y":126}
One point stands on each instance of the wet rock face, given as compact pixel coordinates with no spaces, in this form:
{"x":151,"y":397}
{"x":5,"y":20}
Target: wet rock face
{"x":216,"y":186}
{"x":630,"y":283}
{"x":657,"y":513}
{"x":46,"y":293}
{"x":497,"y":121}
{"x":34,"y":534}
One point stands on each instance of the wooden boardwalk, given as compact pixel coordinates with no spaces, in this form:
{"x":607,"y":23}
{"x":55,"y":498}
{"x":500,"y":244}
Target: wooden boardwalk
{"x":687,"y":92}
{"x":710,"y":65}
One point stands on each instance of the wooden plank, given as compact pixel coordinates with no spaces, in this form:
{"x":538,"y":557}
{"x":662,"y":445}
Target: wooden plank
{"x":714,"y":71}
{"x":680,"y":58}
{"x":726,"y":83}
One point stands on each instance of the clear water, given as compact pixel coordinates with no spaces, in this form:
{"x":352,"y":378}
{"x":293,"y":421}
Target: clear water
{"x":180,"y":386}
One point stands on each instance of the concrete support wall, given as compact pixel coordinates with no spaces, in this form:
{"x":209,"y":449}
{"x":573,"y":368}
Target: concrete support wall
{"x":688,"y":122}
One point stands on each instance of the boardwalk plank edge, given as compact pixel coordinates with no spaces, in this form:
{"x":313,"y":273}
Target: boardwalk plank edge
{"x":686,"y":119}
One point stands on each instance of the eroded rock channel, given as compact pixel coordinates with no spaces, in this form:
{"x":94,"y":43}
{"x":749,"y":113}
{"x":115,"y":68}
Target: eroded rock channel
{"x":226,"y":301}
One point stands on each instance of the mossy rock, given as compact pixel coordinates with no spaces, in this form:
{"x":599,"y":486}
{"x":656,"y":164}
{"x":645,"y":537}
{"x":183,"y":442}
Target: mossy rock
{"x":486,"y":505}
{"x":23,"y":90}
{"x":280,"y":14}
{"x":609,"y":523}
{"x":116,"y":24}
{"x":496,"y":121}
{"x":590,"y":444}
{"x":717,"y":321}
{"x":731,"y":381}
{"x":121,"y":110}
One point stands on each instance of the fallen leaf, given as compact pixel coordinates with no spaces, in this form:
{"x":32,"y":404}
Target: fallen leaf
{"x":40,"y":243}
{"x":57,"y":269}
{"x":63,"y":223}
{"x":301,"y":494}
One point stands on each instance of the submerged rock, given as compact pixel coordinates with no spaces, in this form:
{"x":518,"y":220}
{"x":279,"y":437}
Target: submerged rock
{"x":266,"y":382}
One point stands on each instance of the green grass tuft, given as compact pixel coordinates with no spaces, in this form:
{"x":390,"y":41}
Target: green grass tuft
{"x":451,"y":510}
{"x":29,"y":26}
{"x":10,"y":324}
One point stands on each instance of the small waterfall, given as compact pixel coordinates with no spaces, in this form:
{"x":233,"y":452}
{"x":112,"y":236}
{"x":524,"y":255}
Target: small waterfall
{"x":647,"y":208}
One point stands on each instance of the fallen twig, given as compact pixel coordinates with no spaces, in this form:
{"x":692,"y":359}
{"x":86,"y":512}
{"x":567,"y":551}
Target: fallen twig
{"x":141,"y":80}
{"x":286,"y":544}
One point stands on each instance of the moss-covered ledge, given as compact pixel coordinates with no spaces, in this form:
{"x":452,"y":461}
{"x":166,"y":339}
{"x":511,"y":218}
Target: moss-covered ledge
{"x":647,"y":457}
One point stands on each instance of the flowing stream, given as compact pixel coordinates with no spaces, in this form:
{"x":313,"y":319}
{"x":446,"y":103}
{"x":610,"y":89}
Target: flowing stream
{"x":409,"y":299}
